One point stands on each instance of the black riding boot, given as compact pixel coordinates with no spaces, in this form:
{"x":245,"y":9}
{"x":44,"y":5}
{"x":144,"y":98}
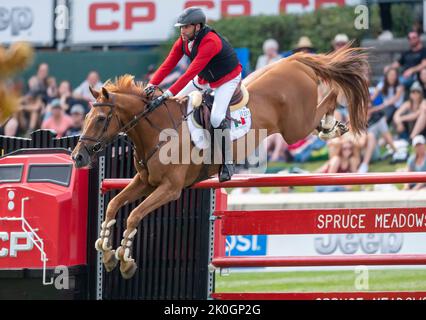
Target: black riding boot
{"x":227,"y":168}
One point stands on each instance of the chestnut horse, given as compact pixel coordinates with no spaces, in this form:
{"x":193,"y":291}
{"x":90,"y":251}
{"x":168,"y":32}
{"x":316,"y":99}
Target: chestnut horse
{"x":283,"y":99}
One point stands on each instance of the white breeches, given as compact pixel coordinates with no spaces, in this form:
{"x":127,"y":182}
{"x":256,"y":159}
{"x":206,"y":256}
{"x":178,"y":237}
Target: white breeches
{"x":222,"y":97}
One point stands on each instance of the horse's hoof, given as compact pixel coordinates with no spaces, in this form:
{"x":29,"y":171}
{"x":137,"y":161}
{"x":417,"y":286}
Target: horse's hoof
{"x":128,"y":269}
{"x":109,"y":260}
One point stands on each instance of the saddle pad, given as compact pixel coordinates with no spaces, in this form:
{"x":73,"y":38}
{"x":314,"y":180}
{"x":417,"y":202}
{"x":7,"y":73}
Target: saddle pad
{"x":238,"y":130}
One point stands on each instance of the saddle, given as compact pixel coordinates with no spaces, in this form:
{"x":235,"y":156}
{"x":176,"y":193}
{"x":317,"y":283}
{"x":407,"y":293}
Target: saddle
{"x":203,"y":103}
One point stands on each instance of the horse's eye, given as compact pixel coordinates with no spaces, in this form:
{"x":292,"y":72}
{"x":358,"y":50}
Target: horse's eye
{"x":101,"y":119}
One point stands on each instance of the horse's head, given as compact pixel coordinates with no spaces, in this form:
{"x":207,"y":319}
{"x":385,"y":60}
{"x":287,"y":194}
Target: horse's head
{"x":101,"y":125}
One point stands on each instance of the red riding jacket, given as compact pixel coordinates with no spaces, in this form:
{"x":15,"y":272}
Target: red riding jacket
{"x":209,"y":46}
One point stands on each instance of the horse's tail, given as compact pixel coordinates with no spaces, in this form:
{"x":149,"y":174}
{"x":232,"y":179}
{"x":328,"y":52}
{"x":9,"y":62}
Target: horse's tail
{"x":347,"y":68}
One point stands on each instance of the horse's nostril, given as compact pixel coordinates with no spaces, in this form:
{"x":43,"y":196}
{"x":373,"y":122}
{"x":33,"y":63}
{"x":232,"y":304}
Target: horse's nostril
{"x":78,"y":157}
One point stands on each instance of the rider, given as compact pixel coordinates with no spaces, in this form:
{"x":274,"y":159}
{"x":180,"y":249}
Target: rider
{"x":214,"y":65}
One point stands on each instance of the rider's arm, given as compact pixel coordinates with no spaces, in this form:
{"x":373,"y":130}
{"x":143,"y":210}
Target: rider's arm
{"x":167,"y":66}
{"x":208,"y":48}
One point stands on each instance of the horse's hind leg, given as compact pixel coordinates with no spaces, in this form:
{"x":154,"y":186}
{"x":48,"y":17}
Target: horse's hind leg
{"x":135,"y":190}
{"x":327,"y":126}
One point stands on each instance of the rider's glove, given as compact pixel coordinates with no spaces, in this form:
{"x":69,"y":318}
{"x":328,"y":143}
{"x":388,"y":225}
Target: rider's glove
{"x":149,"y":89}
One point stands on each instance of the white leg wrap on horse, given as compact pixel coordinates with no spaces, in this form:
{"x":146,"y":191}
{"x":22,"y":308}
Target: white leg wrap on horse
{"x":105,"y":245}
{"x":132,"y":234}
{"x":98,"y":244}
{"x":126,"y":256}
{"x":116,"y":253}
{"x":329,"y":122}
{"x":111,"y":223}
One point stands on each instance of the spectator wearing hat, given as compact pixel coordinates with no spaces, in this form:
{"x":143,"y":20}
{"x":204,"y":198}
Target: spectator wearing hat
{"x":339,"y":41}
{"x":270,"y":53}
{"x":409,"y":112}
{"x":304,"y":45}
{"x":58,"y":120}
{"x":411,"y":61}
{"x":77,"y":118}
{"x":417,"y":161}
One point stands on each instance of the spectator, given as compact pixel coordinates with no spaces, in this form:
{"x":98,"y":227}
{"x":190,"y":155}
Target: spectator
{"x":83,"y":91}
{"x":304,"y":45}
{"x":77,"y":118}
{"x":58,"y":121}
{"x":346,"y":161}
{"x":377,"y":128}
{"x":32,"y":106}
{"x":405,"y":117}
{"x":411,"y":61}
{"x":67,"y":100}
{"x":176,"y":73}
{"x":417,"y":161}
{"x":148,"y":75}
{"x":270,"y":53}
{"x":10,"y":126}
{"x":276,"y":147}
{"x":392,"y":94}
{"x":52,"y":89}
{"x":339,"y":41}
{"x":422,"y":80}
{"x":38,"y":82}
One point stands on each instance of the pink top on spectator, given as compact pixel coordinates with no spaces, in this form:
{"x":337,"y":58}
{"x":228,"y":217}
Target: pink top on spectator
{"x":60,"y":127}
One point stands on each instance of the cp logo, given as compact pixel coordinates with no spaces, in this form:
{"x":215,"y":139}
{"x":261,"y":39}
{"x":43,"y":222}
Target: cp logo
{"x":17,"y":18}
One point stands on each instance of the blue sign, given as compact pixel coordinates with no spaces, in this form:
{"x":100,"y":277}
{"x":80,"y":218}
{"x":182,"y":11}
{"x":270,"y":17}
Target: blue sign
{"x":246,"y":245}
{"x":243,"y":55}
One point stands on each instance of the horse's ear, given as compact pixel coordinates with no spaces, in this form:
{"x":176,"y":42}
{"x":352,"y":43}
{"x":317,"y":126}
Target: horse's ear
{"x":94,"y":93}
{"x":105,"y":93}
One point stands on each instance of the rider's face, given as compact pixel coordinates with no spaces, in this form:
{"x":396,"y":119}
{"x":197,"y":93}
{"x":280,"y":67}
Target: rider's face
{"x":187,"y":32}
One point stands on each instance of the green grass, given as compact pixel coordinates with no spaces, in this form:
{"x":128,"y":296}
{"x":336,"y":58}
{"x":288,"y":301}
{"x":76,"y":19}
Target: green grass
{"x":321,"y":281}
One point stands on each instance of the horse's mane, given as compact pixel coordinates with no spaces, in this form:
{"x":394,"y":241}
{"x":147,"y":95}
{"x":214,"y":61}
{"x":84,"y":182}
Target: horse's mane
{"x":125,"y":84}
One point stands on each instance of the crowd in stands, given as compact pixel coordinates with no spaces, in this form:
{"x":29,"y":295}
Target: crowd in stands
{"x":396,"y":117}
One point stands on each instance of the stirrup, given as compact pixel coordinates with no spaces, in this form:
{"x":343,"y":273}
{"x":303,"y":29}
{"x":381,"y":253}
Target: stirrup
{"x":226,"y":172}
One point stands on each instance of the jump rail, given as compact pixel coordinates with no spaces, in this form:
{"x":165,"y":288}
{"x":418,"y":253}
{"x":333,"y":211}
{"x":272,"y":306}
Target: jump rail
{"x":312,"y":221}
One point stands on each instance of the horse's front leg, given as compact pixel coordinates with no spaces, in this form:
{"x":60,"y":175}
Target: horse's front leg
{"x":135,"y":190}
{"x":163,"y":194}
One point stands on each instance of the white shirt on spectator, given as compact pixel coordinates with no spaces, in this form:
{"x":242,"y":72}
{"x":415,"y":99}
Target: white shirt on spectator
{"x":264,"y":60}
{"x":84,"y":91}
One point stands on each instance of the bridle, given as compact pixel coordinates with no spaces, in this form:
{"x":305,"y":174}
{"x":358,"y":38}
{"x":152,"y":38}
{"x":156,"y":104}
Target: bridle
{"x":101,"y":141}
